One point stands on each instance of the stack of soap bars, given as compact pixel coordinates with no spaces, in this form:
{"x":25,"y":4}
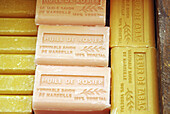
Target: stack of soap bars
{"x":72,"y":55}
{"x":133,"y":57}
{"x":17,"y":48}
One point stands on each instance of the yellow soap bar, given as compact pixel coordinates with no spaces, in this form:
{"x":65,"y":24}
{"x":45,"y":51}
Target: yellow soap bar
{"x":10,"y":104}
{"x":134,"y":81}
{"x":132,"y":23}
{"x":18,"y":26}
{"x":17,"y":64}
{"x":17,"y":44}
{"x":16,"y":84}
{"x":17,"y":8}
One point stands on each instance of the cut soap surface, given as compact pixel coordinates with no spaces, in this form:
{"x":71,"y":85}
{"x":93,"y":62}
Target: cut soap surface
{"x":16,"y":84}
{"x":10,"y":104}
{"x":18,"y":26}
{"x":17,"y":8}
{"x":17,"y":64}
{"x":17,"y":44}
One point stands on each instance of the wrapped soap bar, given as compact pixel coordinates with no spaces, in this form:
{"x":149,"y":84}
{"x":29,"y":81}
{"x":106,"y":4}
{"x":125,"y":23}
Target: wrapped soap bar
{"x":71,"y":12}
{"x":18,"y":26}
{"x":132,"y":23}
{"x":63,"y":88}
{"x":10,"y":104}
{"x":72,"y":45}
{"x":17,"y":64}
{"x":17,"y":44}
{"x":17,"y":8}
{"x":134,"y":81}
{"x":16,"y":84}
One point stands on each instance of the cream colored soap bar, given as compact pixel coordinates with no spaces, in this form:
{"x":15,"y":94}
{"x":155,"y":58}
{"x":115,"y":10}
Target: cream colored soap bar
{"x":17,"y":8}
{"x":17,"y":64}
{"x":18,"y":26}
{"x":17,"y":44}
{"x":132,"y":23}
{"x":134,"y":81}
{"x":16,"y":84}
{"x":61,"y":88}
{"x":72,"y":45}
{"x":10,"y":104}
{"x":71,"y":12}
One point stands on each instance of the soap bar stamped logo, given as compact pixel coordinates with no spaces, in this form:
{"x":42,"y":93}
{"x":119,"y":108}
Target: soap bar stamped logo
{"x":72,"y":87}
{"x":76,"y":45}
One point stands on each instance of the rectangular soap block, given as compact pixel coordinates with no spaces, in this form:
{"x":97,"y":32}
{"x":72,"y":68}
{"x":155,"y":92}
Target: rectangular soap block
{"x":17,"y":44}
{"x":132,"y":23}
{"x":63,"y":88}
{"x":17,"y":8}
{"x":17,"y":64}
{"x":18,"y":26}
{"x":72,"y":45}
{"x":13,"y":104}
{"x":71,"y":12}
{"x":134,"y":81}
{"x":16,"y":84}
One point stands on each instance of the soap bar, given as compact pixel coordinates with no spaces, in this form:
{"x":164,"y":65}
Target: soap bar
{"x":17,"y":44}
{"x":17,"y":26}
{"x":17,"y":64}
{"x":64,"y":88}
{"x":72,"y":45}
{"x":71,"y":12}
{"x":10,"y":104}
{"x":134,"y":81}
{"x":16,"y":84}
{"x":17,"y":8}
{"x":132,"y":23}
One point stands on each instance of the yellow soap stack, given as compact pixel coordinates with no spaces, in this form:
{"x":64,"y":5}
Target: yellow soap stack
{"x":17,"y":48}
{"x":133,"y":57}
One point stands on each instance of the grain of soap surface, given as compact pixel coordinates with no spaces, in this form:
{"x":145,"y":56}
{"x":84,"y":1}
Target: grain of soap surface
{"x":17,"y":44}
{"x":16,"y":84}
{"x":18,"y":26}
{"x":13,"y":104}
{"x":17,"y":64}
{"x":17,"y":8}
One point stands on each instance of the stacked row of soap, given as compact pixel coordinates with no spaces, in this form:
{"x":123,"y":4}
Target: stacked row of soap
{"x":133,"y":57}
{"x":72,"y":55}
{"x":17,"y":48}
